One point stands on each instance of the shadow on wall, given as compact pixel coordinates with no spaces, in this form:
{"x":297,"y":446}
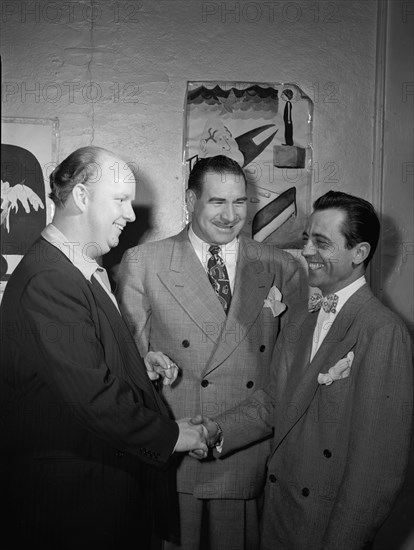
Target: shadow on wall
{"x":133,"y":232}
{"x":393,"y":253}
{"x":397,"y":533}
{"x":391,"y":239}
{"x":130,"y":236}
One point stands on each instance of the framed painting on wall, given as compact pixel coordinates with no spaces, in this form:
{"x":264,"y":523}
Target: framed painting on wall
{"x":267,"y":129}
{"x":28,"y":156}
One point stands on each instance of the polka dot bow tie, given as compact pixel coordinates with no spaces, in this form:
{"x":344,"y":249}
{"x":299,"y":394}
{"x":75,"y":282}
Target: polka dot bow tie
{"x":327,"y":303}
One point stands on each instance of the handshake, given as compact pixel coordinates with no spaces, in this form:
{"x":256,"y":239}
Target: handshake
{"x":196,"y":435}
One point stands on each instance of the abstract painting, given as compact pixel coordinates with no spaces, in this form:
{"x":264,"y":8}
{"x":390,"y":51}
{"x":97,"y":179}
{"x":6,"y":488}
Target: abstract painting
{"x":267,"y":129}
{"x":28,"y":156}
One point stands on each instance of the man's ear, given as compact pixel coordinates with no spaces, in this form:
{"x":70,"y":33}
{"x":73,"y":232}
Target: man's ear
{"x":361,"y":253}
{"x":80,"y":196}
{"x":191,"y":199}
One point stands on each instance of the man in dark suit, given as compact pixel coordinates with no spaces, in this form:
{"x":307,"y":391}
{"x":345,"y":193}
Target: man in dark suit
{"x":216,"y":309}
{"x":86,"y":440}
{"x":341,"y":400}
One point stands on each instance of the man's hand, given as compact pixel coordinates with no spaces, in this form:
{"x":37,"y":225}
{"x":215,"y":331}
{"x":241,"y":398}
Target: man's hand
{"x":191,"y":438}
{"x":158,"y":365}
{"x":212,"y":431}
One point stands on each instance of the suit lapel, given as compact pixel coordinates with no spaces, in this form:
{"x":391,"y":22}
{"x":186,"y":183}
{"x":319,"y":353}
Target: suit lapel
{"x":133,"y":362}
{"x":252,"y":285}
{"x":121,"y":335}
{"x":301,"y":374}
{"x":188,"y":283}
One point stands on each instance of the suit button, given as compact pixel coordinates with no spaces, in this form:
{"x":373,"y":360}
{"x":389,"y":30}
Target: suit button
{"x":327,"y":453}
{"x":250,"y":384}
{"x":272,"y":478}
{"x":185,"y":343}
{"x":305,"y":492}
{"x":204,"y":383}
{"x":262,"y":348}
{"x":119,"y":454}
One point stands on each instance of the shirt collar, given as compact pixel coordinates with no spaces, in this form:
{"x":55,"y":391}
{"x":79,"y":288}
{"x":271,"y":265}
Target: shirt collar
{"x":87,"y":266}
{"x":345,"y":293}
{"x":229,"y":250}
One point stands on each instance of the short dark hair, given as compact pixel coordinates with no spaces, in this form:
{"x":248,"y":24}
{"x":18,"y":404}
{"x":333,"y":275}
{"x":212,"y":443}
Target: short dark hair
{"x":220,"y":164}
{"x":81,"y":166}
{"x":361,"y":223}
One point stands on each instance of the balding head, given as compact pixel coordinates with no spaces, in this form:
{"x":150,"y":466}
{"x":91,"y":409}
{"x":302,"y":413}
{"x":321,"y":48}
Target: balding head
{"x":82,"y":166}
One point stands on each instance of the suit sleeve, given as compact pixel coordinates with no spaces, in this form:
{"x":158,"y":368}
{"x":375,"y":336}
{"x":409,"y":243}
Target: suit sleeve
{"x":295,"y":287}
{"x":133,"y":300}
{"x":252,"y":420}
{"x":246,"y":424}
{"x":379,"y":439}
{"x":259,"y":411}
{"x":74,"y":365}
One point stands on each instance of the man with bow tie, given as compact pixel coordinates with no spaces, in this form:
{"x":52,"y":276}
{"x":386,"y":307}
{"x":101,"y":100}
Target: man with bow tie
{"x":341,"y":396}
{"x":200,"y":296}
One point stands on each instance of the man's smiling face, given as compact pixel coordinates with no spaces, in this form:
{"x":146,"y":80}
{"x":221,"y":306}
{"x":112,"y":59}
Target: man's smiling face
{"x":219,"y":214}
{"x":330,"y":262}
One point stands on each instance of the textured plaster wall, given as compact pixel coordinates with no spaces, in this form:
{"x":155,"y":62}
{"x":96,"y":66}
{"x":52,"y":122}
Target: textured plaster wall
{"x":114,"y":73}
{"x":397,"y":258}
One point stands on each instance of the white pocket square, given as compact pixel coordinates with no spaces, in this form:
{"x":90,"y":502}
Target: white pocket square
{"x":274,"y":301}
{"x":342,"y":369}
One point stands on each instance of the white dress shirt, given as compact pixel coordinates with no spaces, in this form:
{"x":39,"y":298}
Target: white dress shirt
{"x":325,"y":319}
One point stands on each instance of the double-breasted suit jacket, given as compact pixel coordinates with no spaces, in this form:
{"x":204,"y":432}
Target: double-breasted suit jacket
{"x":339,"y":451}
{"x":80,"y":419}
{"x":166,"y":296}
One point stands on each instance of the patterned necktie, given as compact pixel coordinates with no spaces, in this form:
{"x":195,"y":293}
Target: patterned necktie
{"x":328,"y":303}
{"x":219,"y":278}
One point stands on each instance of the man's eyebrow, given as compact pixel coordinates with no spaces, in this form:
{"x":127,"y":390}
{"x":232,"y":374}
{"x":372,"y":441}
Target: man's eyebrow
{"x":322,"y":236}
{"x":316,"y":235}
{"x":215,"y":199}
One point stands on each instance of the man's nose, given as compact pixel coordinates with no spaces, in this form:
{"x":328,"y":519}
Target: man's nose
{"x":308,"y":249}
{"x":128,"y":212}
{"x":229,"y":214}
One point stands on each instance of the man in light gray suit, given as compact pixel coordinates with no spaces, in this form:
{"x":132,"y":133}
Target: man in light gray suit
{"x":216,"y":313}
{"x":341,"y":394}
